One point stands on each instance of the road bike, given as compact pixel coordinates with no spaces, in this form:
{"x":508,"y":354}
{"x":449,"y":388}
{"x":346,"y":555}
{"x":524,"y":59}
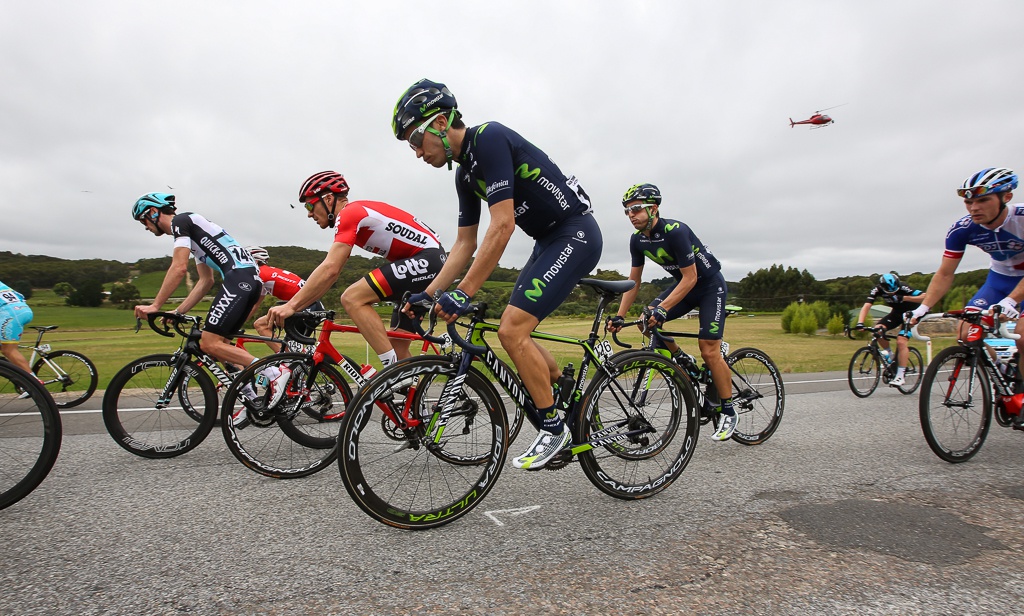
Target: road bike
{"x":30,"y":434}
{"x":965,"y":386}
{"x":428,"y":457}
{"x":758,"y":393}
{"x":298,"y":436}
{"x":870,"y":364}
{"x":69,"y":376}
{"x":164,"y":405}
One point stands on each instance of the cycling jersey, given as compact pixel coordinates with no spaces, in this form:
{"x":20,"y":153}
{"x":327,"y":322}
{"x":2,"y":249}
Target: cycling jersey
{"x":496,"y":164}
{"x":383,"y":230}
{"x":14,"y":315}
{"x":9,"y":295}
{"x":1004,"y":244}
{"x":280,"y":283}
{"x":891,"y":298}
{"x":672,"y":245}
{"x":209,"y":243}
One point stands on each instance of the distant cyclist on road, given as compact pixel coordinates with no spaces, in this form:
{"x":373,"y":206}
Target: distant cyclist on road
{"x":214,"y":251}
{"x":699,"y":284}
{"x":278,"y":282}
{"x":902,"y":299}
{"x":522,"y":187}
{"x":995,"y":226}
{"x":412,"y":249}
{"x":14,"y":316}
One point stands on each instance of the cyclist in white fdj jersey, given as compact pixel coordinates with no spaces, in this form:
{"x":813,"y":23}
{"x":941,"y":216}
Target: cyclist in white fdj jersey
{"x":214,"y":250}
{"x":902,"y":299}
{"x":995,"y":226}
{"x":523,"y":188}
{"x":14,"y":316}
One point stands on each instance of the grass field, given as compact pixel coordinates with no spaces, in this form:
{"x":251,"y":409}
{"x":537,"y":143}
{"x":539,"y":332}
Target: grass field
{"x":106,"y":335}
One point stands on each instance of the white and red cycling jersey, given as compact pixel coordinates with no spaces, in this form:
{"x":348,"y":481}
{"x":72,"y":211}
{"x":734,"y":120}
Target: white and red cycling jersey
{"x":280,"y":283}
{"x":383,"y":230}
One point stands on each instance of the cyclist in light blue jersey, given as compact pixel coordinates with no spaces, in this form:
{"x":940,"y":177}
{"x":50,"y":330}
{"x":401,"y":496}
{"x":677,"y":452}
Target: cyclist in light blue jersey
{"x":14,"y":316}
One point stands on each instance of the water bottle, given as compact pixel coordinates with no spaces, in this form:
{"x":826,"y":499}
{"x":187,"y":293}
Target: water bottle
{"x":566,"y":383}
{"x":886,"y":355}
{"x":367,"y":371}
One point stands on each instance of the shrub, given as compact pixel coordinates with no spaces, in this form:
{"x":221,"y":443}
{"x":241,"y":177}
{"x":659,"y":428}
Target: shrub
{"x":89,"y":293}
{"x":836,"y":324}
{"x":821,"y":312}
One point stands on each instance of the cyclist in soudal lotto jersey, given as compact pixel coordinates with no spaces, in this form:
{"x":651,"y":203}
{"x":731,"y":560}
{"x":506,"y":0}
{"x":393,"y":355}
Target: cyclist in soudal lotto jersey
{"x":14,"y":316}
{"x":522,"y":187}
{"x":277,"y":282}
{"x":698,"y":284}
{"x":214,"y":251}
{"x":902,"y":299}
{"x":412,"y":249}
{"x":995,"y":226}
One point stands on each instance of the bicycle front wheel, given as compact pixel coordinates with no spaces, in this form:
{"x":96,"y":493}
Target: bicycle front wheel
{"x":758,"y":395}
{"x":69,"y":377}
{"x":956,"y":405}
{"x":914,"y":372}
{"x":30,"y":434}
{"x":638,"y":426}
{"x":419,"y":461}
{"x":864,"y":372}
{"x":142,"y":423}
{"x":299,"y":435}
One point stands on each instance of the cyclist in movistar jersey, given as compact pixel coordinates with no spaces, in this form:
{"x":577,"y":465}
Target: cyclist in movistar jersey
{"x":902,"y":299}
{"x":995,"y":226}
{"x":522,"y":187}
{"x":412,"y":249}
{"x":214,"y":251}
{"x":699,"y":284}
{"x":278,"y":282}
{"x":14,"y":316}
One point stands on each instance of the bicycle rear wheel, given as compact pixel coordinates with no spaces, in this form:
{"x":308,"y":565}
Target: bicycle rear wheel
{"x":758,"y":395}
{"x":142,"y":424}
{"x":638,"y":426}
{"x":955,"y":405}
{"x":914,"y":372}
{"x":432,"y":473}
{"x":69,"y":377}
{"x":30,"y":434}
{"x":864,"y":372}
{"x":298,"y":436}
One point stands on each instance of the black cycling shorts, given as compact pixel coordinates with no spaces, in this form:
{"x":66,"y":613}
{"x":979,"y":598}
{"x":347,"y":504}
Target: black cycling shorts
{"x":393,"y":280}
{"x":240,"y":291}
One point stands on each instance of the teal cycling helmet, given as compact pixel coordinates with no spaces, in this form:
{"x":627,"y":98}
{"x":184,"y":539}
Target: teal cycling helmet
{"x":890,"y":283}
{"x":154,"y":199}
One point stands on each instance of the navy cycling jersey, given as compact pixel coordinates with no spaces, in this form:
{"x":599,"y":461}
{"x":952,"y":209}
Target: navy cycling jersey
{"x":209,"y":243}
{"x":673,"y":245}
{"x":891,"y":298}
{"x":496,"y":164}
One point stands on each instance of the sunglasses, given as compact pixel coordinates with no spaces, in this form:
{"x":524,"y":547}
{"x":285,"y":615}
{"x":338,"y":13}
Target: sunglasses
{"x":974,"y":192}
{"x":633,"y":209}
{"x":416,"y":137}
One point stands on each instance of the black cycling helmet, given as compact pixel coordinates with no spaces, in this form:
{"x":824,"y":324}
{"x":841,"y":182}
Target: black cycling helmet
{"x":890,"y":283}
{"x":645,"y":193}
{"x":423,"y":100}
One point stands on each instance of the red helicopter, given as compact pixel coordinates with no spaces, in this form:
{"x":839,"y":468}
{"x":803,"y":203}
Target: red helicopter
{"x":818,"y":120}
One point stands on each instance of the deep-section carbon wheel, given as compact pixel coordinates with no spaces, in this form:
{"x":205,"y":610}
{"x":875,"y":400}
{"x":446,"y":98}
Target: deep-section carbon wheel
{"x":955,"y":405}
{"x":30,"y":434}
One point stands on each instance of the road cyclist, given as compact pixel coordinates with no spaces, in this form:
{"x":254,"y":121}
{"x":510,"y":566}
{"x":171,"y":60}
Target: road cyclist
{"x":902,"y":299}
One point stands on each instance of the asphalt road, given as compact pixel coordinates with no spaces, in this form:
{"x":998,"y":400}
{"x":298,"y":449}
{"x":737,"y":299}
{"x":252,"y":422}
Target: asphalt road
{"x":844,"y":510}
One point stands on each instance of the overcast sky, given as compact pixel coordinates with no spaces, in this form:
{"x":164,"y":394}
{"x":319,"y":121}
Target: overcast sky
{"x":234,"y":104}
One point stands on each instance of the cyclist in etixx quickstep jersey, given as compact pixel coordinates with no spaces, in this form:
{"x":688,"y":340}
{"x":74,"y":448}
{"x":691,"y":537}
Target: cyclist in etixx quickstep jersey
{"x":412,"y":249}
{"x":14,"y":316}
{"x":902,"y":299}
{"x":522,"y":187}
{"x":214,"y":250}
{"x":698,"y":284}
{"x":996,"y":226}
{"x":277,"y":282}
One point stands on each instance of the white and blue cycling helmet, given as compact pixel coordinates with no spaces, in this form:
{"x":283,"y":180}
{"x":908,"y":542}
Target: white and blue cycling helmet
{"x":988,"y":181}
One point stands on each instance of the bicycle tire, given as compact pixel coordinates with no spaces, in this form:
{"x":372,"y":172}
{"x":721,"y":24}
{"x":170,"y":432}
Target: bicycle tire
{"x":758,"y":395}
{"x":913,"y":373}
{"x":864,"y":372}
{"x":140,"y":424}
{"x":30,"y":429}
{"x":77,"y":370}
{"x":624,"y":462}
{"x":297,"y":437}
{"x":955,"y":427}
{"x":407,"y":484}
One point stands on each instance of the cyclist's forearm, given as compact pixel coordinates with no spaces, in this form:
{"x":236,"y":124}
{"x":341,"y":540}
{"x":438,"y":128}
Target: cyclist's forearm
{"x":197,"y":293}
{"x":863,"y":313}
{"x":172,"y":279}
{"x":322,"y":278}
